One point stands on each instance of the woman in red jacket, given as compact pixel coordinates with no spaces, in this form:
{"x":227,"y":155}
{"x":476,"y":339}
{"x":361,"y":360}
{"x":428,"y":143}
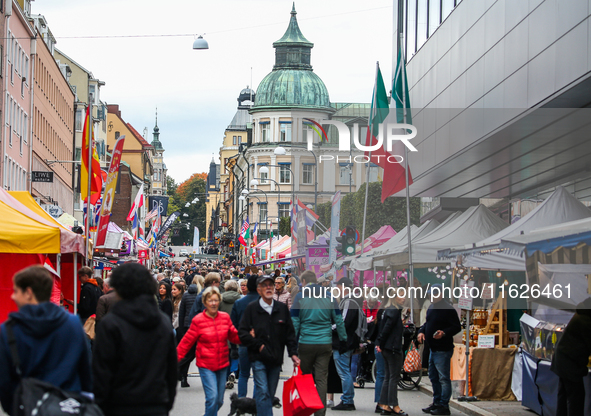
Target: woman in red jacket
{"x":211,"y":330}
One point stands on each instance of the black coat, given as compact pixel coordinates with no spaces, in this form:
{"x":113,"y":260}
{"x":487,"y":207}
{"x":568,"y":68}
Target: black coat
{"x":134,"y":359}
{"x":574,"y":348}
{"x":441,"y":316}
{"x":351,"y":323}
{"x":166,"y":307}
{"x":274,"y":331}
{"x":186,"y":305}
{"x":89,"y":296}
{"x":390,"y":330}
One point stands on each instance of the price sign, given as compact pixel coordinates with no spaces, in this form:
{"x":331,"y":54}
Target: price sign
{"x":486,"y":341}
{"x":465,"y":301}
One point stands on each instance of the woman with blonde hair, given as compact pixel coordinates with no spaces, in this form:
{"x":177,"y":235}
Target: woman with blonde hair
{"x":211,"y":330}
{"x":293,"y":288}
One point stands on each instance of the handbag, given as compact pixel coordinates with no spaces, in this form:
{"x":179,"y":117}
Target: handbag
{"x":412,"y":362}
{"x":300,"y":397}
{"x":34,"y":397}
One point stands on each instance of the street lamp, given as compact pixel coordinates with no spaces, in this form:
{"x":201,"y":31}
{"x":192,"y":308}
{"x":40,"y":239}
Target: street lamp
{"x":200,"y":43}
{"x":265,"y":169}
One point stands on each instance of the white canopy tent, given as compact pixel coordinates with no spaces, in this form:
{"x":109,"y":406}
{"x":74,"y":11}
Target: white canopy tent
{"x":558,"y":208}
{"x":473,"y":225}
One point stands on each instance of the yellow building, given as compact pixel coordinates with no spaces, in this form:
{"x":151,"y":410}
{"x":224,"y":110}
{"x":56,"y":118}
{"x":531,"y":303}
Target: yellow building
{"x":137,"y":152}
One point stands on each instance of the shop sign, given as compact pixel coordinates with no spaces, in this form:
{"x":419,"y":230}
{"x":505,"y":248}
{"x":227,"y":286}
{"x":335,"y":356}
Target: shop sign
{"x":486,"y":341}
{"x":42,"y":176}
{"x":142,"y":254}
{"x":488,"y":289}
{"x":54,"y":210}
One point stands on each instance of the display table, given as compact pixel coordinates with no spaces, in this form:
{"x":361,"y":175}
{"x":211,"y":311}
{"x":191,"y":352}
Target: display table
{"x":540,"y":387}
{"x":490,"y":371}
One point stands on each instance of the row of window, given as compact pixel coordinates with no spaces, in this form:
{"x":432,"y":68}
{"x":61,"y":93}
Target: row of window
{"x":16,"y":121}
{"x":53,"y":93}
{"x":284,"y":132}
{"x":15,"y":177}
{"x":18,"y":60}
{"x":264,"y":212}
{"x":46,"y":135}
{"x":345,"y":175}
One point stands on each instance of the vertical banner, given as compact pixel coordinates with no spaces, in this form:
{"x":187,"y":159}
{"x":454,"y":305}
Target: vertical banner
{"x":335,"y":219}
{"x":302,"y":228}
{"x":196,"y":248}
{"x":109,"y":195}
{"x":172,"y":218}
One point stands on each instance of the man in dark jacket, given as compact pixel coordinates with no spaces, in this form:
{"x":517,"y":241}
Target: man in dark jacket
{"x":106,"y":301}
{"x":265,"y":330}
{"x":42,"y":331}
{"x":343,"y":351}
{"x":570,"y":361}
{"x":134,"y":357}
{"x":438,"y":331}
{"x":236,"y":315}
{"x":89,"y":294}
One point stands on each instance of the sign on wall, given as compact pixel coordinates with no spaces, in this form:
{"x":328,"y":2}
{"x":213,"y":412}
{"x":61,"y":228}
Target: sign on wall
{"x":42,"y":176}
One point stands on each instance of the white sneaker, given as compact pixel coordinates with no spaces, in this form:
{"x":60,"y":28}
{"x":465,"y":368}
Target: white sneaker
{"x":329,"y":403}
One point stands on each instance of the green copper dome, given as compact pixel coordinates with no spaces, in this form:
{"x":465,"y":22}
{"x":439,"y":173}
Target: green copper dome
{"x":292,"y":83}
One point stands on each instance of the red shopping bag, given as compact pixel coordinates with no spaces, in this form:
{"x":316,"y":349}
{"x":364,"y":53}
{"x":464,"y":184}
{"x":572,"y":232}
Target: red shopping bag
{"x":412,"y":362}
{"x":300,"y":397}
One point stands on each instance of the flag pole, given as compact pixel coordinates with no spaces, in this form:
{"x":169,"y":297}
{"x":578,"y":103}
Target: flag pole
{"x":408,"y":233}
{"x":374,"y":102}
{"x":89,"y":191}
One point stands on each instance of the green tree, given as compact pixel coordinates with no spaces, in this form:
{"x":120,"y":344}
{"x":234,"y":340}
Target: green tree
{"x":179,"y":196}
{"x":285,"y":226}
{"x":392,"y":212}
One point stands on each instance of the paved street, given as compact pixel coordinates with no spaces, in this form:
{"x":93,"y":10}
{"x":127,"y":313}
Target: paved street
{"x":191,"y":401}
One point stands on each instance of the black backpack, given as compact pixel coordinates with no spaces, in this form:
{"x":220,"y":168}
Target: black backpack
{"x":34,"y":397}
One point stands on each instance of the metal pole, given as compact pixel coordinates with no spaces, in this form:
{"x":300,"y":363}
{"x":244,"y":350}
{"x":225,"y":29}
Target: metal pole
{"x":369,"y":132}
{"x":75,"y":283}
{"x":89,"y":144}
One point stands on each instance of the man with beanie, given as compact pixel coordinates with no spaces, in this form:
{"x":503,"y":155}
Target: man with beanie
{"x":236,"y":316}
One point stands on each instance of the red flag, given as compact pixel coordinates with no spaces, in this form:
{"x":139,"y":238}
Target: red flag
{"x":96,"y":183}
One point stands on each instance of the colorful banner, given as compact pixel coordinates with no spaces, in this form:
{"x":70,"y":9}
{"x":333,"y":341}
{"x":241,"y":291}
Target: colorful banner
{"x":109,"y":195}
{"x":167,"y":224}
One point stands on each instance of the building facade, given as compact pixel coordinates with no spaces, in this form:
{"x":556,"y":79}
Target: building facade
{"x":53,"y":124}
{"x":277,"y":166}
{"x":86,"y":89}
{"x":158,"y":165}
{"x":17,"y":57}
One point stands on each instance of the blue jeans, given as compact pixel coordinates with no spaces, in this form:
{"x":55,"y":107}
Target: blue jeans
{"x":265,"y":381}
{"x":343,"y":365}
{"x":214,"y":386}
{"x":245,"y":365}
{"x":439,"y":374}
{"x":355,"y":367}
{"x":380,"y":371}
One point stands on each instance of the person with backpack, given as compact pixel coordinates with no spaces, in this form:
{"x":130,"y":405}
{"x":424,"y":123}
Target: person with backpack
{"x":356,"y":328}
{"x":41,"y":332}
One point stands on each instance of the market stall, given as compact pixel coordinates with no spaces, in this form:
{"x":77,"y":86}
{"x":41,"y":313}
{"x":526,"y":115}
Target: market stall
{"x":29,"y":236}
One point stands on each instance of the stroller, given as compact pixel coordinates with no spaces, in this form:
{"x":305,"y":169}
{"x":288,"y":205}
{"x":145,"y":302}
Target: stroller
{"x":367,"y":370}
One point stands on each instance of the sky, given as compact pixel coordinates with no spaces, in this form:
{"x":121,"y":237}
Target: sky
{"x":196,"y":91}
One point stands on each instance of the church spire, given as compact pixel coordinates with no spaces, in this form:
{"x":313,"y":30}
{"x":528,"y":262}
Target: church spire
{"x":156,"y":142}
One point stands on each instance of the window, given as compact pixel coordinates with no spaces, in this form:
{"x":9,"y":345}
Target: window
{"x":308,"y":174}
{"x":262,"y":213}
{"x":346,"y":175}
{"x":373,"y":172}
{"x":226,"y":164}
{"x":285,"y":132}
{"x":283,"y":210}
{"x":265,"y":132}
{"x":92,"y":92}
{"x":434,"y":16}
{"x":117,"y":134}
{"x":264,"y":176}
{"x":235,"y":140}
{"x":284,"y":174}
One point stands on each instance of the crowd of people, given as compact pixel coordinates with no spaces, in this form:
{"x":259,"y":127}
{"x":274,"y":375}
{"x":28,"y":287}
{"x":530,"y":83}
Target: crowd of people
{"x":234,"y":322}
